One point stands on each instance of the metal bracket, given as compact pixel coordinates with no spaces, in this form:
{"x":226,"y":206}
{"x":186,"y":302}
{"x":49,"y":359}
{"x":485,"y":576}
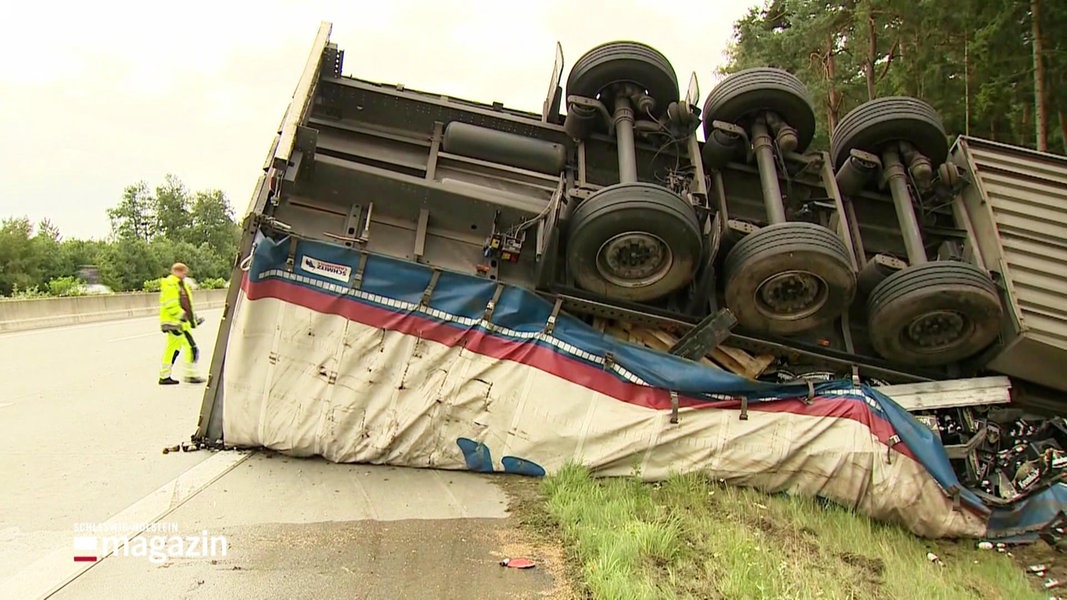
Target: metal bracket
{"x":491,"y":307}
{"x":429,"y":288}
{"x":291,"y":258}
{"x":550,"y":325}
{"x":351,"y":222}
{"x":744,"y":408}
{"x":674,"y":407}
{"x":598,"y":106}
{"x":357,"y":281}
{"x":435,"y":150}
{"x":420,"y":234}
{"x":609,"y":360}
{"x":705,"y":336}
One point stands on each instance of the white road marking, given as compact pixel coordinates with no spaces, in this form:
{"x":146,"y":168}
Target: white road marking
{"x":54,"y":571}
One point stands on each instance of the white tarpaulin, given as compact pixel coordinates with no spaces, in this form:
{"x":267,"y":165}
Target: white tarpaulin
{"x":318,"y":365}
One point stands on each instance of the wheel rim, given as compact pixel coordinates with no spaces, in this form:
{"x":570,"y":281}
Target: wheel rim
{"x":634,"y":259}
{"x":791,"y":295}
{"x":937,"y":330}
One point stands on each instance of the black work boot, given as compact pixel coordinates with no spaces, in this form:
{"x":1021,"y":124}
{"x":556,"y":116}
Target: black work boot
{"x":168,"y":381}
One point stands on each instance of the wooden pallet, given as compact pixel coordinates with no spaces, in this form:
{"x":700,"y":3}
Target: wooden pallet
{"x":722,"y":356}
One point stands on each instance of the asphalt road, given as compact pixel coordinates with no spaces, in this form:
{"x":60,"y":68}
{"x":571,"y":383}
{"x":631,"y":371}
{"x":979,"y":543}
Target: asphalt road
{"x":82,"y":426}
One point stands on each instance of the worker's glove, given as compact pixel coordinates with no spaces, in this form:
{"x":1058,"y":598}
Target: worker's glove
{"x":199,"y":321}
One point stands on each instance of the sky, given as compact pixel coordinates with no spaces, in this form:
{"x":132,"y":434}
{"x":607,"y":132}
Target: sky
{"x":95,"y":96}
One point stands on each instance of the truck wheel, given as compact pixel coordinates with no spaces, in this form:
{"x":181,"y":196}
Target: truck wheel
{"x":741,"y":96}
{"x":624,"y":62}
{"x":788,"y":278}
{"x":633,"y":241}
{"x":934,"y":313}
{"x":871,"y":126}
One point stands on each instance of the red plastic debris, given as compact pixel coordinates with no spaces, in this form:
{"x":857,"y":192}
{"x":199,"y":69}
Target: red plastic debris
{"x":517,"y":563}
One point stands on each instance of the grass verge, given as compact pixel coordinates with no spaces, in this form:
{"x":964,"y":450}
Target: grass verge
{"x":688,"y":537}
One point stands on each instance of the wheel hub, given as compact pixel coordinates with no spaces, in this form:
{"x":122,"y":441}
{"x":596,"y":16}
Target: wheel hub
{"x":634,"y":259}
{"x":792,"y":294}
{"x":937,"y":330}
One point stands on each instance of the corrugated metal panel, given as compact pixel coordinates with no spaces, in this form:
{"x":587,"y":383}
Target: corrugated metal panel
{"x":1021,"y":195}
{"x":1028,"y":194}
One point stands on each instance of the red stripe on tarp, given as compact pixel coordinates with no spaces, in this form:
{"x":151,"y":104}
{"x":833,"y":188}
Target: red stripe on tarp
{"x":552,"y":362}
{"x":84,"y":559}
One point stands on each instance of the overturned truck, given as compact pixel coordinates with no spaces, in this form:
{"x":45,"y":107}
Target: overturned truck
{"x":633,"y":279}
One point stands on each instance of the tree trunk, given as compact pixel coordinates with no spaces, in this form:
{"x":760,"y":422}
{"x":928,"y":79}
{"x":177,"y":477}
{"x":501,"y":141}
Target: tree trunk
{"x":872,"y":51}
{"x":966,"y":87}
{"x":1040,"y":105}
{"x":1021,"y":135}
{"x":834,"y":102}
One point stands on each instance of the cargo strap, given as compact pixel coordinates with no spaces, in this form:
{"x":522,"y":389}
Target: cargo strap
{"x":489,"y":308}
{"x":357,"y":281}
{"x":674,"y":406}
{"x":429,"y":288}
{"x":551,"y":324}
{"x":291,"y":258}
{"x":954,"y":493}
{"x":892,"y":441}
{"x":609,"y":360}
{"x":744,"y":408}
{"x":810,"y":398}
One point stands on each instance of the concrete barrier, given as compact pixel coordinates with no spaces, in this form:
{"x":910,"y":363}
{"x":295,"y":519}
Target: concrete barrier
{"x":17,"y":315}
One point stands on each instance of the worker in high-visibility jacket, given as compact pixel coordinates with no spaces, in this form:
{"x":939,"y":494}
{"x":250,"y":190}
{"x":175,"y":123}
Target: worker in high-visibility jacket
{"x":177,"y":320}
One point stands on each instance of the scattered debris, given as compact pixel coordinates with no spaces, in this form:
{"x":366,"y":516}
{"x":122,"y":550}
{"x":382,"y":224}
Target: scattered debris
{"x":985,"y":545}
{"x":185,"y":447}
{"x":1053,"y":533}
{"x":517,"y":563}
{"x":1053,"y":583}
{"x":998,"y":453}
{"x":930,"y":556}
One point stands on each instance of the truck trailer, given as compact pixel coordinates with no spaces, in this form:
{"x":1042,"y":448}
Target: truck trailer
{"x":656,"y":269}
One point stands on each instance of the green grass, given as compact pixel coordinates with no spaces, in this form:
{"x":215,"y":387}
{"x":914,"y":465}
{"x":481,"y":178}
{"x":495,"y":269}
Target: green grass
{"x":688,"y":537}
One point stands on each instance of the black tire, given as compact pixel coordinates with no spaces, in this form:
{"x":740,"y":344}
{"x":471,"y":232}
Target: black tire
{"x":806,"y":262}
{"x":624,"y":62}
{"x":741,"y":96}
{"x":634,"y":241}
{"x":873,"y":125}
{"x":957,"y":299}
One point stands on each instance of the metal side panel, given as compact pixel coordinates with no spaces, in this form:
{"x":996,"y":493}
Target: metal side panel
{"x":1018,"y":205}
{"x":305,"y":89}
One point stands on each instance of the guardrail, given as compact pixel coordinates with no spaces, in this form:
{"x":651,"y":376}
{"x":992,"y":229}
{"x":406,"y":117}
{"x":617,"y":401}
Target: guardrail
{"x":17,"y":315}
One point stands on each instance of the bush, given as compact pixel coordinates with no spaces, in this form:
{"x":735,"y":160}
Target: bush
{"x":151,"y":285}
{"x":27,"y":294}
{"x":66,"y":286}
{"x":213,"y":283}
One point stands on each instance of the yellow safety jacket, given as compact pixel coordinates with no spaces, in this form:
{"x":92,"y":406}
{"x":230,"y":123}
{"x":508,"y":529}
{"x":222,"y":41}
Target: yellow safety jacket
{"x":172,"y":317}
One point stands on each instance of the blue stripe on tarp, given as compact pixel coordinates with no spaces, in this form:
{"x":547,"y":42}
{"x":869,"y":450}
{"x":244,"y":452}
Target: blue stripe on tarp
{"x":516,"y":309}
{"x":1021,"y":521}
{"x":466,"y":296}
